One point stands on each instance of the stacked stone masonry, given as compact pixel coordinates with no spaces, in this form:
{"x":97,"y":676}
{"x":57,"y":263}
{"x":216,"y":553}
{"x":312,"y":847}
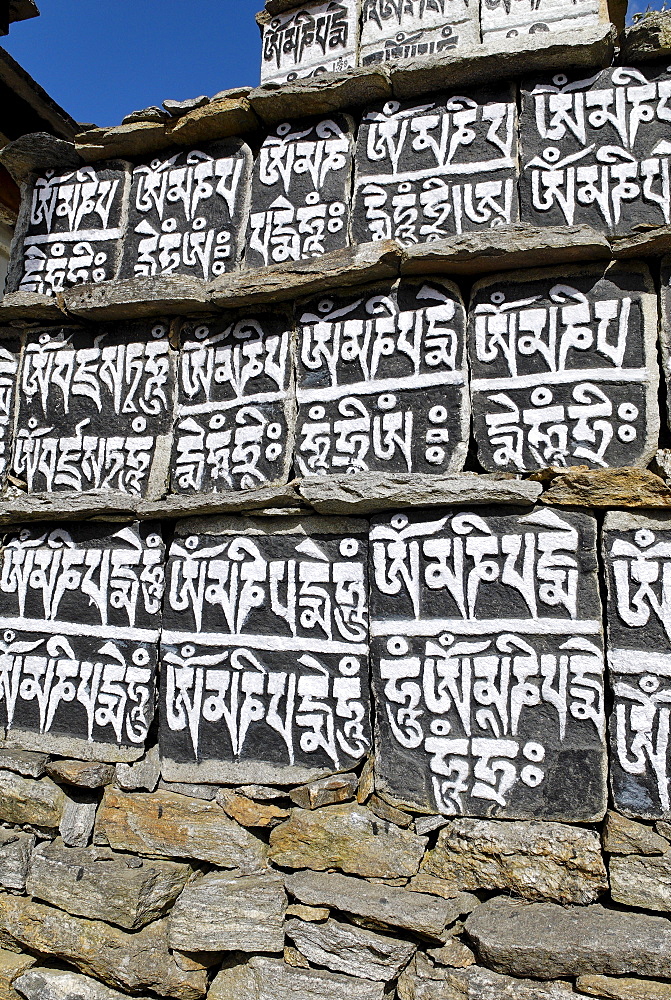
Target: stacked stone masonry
{"x":335,"y":554}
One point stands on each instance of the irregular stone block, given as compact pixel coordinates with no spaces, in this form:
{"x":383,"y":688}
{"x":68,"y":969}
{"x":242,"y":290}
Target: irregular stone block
{"x":314,"y":38}
{"x":624,"y":989}
{"x":35,"y":803}
{"x":15,"y":850}
{"x":142,"y":775}
{"x":320,"y":95}
{"x":84,"y":774}
{"x":475,"y":983}
{"x":459,"y":600}
{"x":300,"y":654}
{"x":56,"y":984}
{"x":368,"y":492}
{"x":301,"y":191}
{"x":352,"y":950}
{"x":222,"y":912}
{"x":36,"y":152}
{"x":534,"y":860}
{"x":326,"y":791}
{"x":642,"y":882}
{"x":188,"y":213}
{"x":246,"y":812}
{"x":130,"y":962}
{"x":70,"y":228}
{"x":545,"y":941}
{"x":82,"y":635}
{"x":417,"y":190}
{"x":375,"y":400}
{"x":608,"y":488}
{"x":175,"y":826}
{"x":95,"y":410}
{"x":348,"y":837}
{"x":649,"y":38}
{"x":29,"y":305}
{"x":499,"y":20}
{"x":622,"y":836}
{"x":380,"y":906}
{"x":25,"y":762}
{"x":573,"y":154}
{"x":11,"y":967}
{"x":271,"y":979}
{"x":585,"y":393}
{"x":218,"y":120}
{"x":178,"y":108}
{"x":395,"y":32}
{"x":138,"y":298}
{"x":97,"y":883}
{"x":454,"y":954}
{"x":637,"y":560}
{"x":78,"y":820}
{"x":311,"y":914}
{"x":134,"y":139}
{"x":235,"y":416}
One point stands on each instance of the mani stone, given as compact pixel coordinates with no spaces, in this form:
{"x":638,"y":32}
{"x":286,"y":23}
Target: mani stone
{"x":352,"y":950}
{"x":10,"y":347}
{"x":15,"y":850}
{"x":97,"y":883}
{"x":581,"y":165}
{"x":636,"y":559}
{"x":313,"y":39}
{"x":377,"y":906}
{"x":188,"y":213}
{"x":168,"y":825}
{"x":70,"y":228}
{"x":415,"y":30}
{"x":416,"y":185}
{"x":235,"y":416}
{"x":230,"y":912}
{"x":292,"y":636}
{"x":462,"y":603}
{"x":57,"y":984}
{"x":545,"y":941}
{"x":379,"y":398}
{"x":271,"y":979}
{"x":301,"y":191}
{"x":130,"y":962}
{"x":95,"y":409}
{"x":27,"y":801}
{"x":624,"y":989}
{"x":535,"y":860}
{"x":422,"y":982}
{"x":326,"y":791}
{"x":500,"y":20}
{"x":83,"y":774}
{"x":623,"y":836}
{"x":528,"y":331}
{"x":643,"y":882}
{"x":87,"y":623}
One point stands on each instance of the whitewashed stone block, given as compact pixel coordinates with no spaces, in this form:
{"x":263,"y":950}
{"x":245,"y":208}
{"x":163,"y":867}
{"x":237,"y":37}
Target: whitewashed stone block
{"x":509,"y":18}
{"x":310,"y":40}
{"x":416,"y":29}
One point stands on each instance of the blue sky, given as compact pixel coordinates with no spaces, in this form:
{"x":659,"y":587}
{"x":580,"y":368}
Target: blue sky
{"x":101,"y":59}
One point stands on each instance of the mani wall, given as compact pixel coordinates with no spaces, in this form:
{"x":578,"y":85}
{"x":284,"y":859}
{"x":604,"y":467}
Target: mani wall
{"x":335,"y":575}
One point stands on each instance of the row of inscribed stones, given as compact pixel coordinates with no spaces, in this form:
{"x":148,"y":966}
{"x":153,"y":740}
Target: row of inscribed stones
{"x":563,"y":372}
{"x":330,"y":37}
{"x":485,"y":645}
{"x":593,"y":151}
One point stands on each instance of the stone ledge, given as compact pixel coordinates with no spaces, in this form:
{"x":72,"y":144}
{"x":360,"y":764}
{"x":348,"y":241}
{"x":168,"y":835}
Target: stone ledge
{"x":605,"y":488}
{"x":321,"y":95}
{"x":30,"y":306}
{"x":137,"y":298}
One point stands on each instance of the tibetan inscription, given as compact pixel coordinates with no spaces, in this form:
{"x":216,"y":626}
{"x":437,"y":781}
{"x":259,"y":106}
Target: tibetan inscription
{"x":564,"y":368}
{"x":265,"y":650}
{"x":301,"y":191}
{"x":487,"y":663}
{"x":95,"y":410}
{"x":70,"y":229}
{"x":235,"y":406}
{"x":416,"y":29}
{"x":637,"y":554}
{"x":511,"y":18}
{"x":665,"y":328}
{"x":314,"y":39}
{"x":10,"y":347}
{"x":595,"y":150}
{"x":80,"y":618}
{"x":188,"y":213}
{"x":425,"y":171}
{"x":383,"y":381}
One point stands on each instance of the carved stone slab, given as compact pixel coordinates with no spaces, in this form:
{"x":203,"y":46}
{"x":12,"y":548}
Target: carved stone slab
{"x":95,"y":409}
{"x":188,"y":213}
{"x":564,"y":368}
{"x":10,"y":349}
{"x":301,"y":191}
{"x":595,"y":149}
{"x":310,"y":40}
{"x":80,"y":615}
{"x":487,"y":661}
{"x":70,"y":229}
{"x":637,"y":555}
{"x":235,"y":419}
{"x":665,"y":328}
{"x":431,"y":168}
{"x":509,"y":18}
{"x":383,"y":380}
{"x":416,"y":29}
{"x":265,"y":650}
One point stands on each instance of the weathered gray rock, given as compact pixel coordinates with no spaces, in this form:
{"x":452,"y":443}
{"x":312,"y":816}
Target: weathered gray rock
{"x":55,"y":984}
{"x":36,"y":152}
{"x":30,"y":306}
{"x":138,"y":298}
{"x":624,"y":836}
{"x":325,"y":792}
{"x":30,"y":765}
{"x":15,"y":850}
{"x":99,"y":884}
{"x":78,"y":819}
{"x":645,"y":243}
{"x":427,"y":824}
{"x":454,"y":953}
{"x":152,"y":114}
{"x":176,"y":826}
{"x":271,"y":979}
{"x":224,"y":117}
{"x":644,"y":882}
{"x":262,"y":793}
{"x":81,"y":773}
{"x":546,"y":941}
{"x":608,"y":488}
{"x":130,"y":962}
{"x":624,"y":989}
{"x":311,"y":914}
{"x":39,"y":803}
{"x":179,"y":108}
{"x":224,"y":912}
{"x":649,"y":38}
{"x":11,"y":967}
{"x":352,"y":950}
{"x":208,"y":792}
{"x":143,"y":775}
{"x":320,"y":95}
{"x":348,"y":837}
{"x":134,"y":139}
{"x":421,"y":982}
{"x":535,"y":860}
{"x":380,"y":905}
